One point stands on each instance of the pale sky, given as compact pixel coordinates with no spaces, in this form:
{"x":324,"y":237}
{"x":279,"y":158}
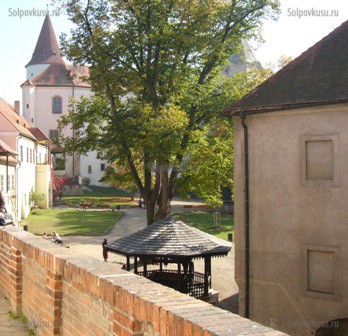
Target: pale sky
{"x":290,"y":35}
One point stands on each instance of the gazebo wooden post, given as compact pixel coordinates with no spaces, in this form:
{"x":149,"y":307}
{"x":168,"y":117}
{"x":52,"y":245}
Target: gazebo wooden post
{"x":145,"y":269}
{"x":128,"y":264}
{"x":161,"y":265}
{"x":136,"y":265}
{"x":178,"y":277}
{"x":207,"y":274}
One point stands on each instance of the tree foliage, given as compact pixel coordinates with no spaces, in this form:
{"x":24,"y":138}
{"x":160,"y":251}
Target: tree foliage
{"x":154,"y":68}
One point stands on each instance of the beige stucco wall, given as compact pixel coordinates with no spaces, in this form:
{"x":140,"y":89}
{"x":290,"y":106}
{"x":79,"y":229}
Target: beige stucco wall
{"x":288,"y":217}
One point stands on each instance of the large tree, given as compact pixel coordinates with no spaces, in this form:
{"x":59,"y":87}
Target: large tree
{"x":153,"y":69}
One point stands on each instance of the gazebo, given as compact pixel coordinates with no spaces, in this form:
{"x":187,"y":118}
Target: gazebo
{"x":171,"y":241}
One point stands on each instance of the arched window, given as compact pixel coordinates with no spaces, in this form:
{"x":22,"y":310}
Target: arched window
{"x":57,"y":104}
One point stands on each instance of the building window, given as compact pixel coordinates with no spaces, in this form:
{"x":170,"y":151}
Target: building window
{"x":319,"y":160}
{"x":2,"y":183}
{"x":31,"y":156}
{"x":89,"y":169}
{"x":13,"y":183}
{"x":57,"y":104}
{"x":102,"y":166}
{"x":53,"y":134}
{"x":27,"y":105}
{"x":40,"y":161}
{"x":321,"y":272}
{"x":58,"y":161}
{"x":27,"y":154}
{"x":21,"y":154}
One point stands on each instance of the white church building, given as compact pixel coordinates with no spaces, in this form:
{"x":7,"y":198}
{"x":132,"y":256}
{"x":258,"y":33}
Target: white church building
{"x":46,"y":94}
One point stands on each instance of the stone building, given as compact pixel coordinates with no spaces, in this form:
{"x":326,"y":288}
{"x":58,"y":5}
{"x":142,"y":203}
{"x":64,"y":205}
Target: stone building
{"x":291,"y":191}
{"x":46,"y":94}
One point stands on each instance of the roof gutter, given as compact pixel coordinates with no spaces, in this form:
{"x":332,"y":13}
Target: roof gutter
{"x":247,"y":215}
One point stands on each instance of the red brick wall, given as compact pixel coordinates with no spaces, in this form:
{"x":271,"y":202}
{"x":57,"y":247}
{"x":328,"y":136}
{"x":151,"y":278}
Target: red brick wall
{"x":66,"y":294}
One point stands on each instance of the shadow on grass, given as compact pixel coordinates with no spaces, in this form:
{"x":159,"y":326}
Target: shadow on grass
{"x":72,"y":222}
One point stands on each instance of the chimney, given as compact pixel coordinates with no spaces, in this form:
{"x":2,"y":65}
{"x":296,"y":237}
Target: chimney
{"x":17,"y":107}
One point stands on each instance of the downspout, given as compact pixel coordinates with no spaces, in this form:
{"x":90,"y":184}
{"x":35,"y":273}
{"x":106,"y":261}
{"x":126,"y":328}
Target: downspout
{"x":247,"y":215}
{"x":73,"y":154}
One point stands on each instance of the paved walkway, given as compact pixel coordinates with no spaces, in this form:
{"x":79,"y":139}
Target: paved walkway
{"x":8,"y":325}
{"x":134,"y":220}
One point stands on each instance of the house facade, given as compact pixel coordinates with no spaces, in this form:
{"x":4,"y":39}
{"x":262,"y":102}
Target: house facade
{"x":46,"y":95}
{"x":28,"y":169}
{"x":291,"y":191}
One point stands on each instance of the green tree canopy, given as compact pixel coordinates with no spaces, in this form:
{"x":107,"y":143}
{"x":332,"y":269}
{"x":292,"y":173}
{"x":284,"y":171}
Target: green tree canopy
{"x":154,"y":68}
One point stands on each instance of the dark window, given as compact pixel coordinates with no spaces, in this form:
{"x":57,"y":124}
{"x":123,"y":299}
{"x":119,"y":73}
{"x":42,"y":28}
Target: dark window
{"x":27,"y":154}
{"x":57,"y":104}
{"x":58,"y":161}
{"x":53,"y":135}
{"x":102,"y":166}
{"x":27,"y":105}
{"x":21,"y":153}
{"x":89,"y":169}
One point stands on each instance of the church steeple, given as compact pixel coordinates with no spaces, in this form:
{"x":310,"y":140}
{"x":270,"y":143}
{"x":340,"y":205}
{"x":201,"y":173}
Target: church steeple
{"x":47,"y":49}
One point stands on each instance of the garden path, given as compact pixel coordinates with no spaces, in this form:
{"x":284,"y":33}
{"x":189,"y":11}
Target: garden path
{"x":134,"y":219}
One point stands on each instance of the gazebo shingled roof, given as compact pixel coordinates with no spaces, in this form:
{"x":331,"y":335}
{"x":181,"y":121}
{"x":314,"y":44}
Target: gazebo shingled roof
{"x":171,"y":238}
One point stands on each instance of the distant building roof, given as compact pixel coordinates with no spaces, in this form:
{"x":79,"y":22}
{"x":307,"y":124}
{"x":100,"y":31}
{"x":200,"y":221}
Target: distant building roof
{"x":39,"y":134}
{"x":171,"y":238}
{"x":61,"y":75}
{"x":242,"y":60}
{"x":20,"y":124}
{"x":47,"y":48}
{"x":318,"y":76}
{"x":6,"y":149}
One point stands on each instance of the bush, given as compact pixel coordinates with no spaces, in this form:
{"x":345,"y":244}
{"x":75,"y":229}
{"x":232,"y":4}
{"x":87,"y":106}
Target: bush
{"x":86,"y":181}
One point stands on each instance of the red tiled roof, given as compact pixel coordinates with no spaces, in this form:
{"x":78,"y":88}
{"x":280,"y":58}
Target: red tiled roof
{"x":5,"y":149}
{"x":62,"y":75}
{"x":18,"y":122}
{"x":47,"y":49}
{"x":318,"y":76}
{"x":39,"y":135}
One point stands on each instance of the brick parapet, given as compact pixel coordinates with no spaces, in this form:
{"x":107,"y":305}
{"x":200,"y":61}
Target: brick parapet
{"x":84,"y":296}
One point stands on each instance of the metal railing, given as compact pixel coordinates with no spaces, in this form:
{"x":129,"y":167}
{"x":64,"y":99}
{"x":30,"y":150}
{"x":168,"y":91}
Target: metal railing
{"x":191,"y":284}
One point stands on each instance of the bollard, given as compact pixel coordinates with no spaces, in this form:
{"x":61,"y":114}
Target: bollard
{"x":230,"y":237}
{"x":25,"y":227}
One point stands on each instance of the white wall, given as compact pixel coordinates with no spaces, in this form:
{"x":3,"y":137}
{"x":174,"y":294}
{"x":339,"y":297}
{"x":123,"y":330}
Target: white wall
{"x":95,"y":173}
{"x":39,"y":114}
{"x":25,"y":175}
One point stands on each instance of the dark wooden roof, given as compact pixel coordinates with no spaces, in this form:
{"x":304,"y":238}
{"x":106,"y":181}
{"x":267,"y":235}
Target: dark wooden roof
{"x":170,"y":238}
{"x":318,"y":76}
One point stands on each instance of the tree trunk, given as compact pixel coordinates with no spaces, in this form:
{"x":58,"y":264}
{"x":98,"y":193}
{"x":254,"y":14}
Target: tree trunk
{"x":150,"y":213}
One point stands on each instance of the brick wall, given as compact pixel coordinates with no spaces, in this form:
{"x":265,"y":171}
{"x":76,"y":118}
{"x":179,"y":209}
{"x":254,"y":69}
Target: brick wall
{"x":62,"y":293}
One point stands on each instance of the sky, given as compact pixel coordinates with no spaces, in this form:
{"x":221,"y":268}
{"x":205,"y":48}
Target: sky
{"x":301,"y":24}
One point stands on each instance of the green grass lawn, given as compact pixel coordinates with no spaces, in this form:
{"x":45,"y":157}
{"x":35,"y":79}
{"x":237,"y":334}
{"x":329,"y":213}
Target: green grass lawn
{"x":72,"y":222}
{"x":102,"y":196}
{"x":204,"y":221}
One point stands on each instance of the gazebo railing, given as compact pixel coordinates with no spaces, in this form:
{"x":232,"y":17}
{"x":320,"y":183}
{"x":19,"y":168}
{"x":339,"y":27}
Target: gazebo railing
{"x":191,"y":284}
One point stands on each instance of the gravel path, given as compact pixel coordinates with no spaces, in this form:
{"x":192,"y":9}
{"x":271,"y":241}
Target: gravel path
{"x":133,"y":220}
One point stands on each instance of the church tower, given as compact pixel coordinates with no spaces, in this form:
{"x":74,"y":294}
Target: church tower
{"x":50,"y":84}
{"x":46,"y":51}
